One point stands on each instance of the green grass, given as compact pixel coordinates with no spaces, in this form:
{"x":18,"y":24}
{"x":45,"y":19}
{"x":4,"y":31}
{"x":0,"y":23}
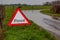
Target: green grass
{"x":49,"y":12}
{"x":31,"y":7}
{"x":34,"y":7}
{"x":30,"y":32}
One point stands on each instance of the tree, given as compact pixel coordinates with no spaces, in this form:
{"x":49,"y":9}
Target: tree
{"x":2,"y":16}
{"x":56,"y":7}
{"x":47,"y":4}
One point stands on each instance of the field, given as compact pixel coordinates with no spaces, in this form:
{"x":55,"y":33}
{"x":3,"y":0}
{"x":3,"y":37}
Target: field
{"x":36,"y":7}
{"x":30,"y":32}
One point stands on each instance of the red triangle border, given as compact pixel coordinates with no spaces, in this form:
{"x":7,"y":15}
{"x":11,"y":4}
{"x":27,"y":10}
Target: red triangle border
{"x":23,"y":24}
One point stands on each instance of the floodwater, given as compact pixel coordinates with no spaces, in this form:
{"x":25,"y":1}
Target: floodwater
{"x":43,"y":20}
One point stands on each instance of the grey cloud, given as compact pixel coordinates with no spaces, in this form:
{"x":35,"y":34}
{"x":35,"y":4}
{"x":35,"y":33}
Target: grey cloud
{"x":32,"y":2}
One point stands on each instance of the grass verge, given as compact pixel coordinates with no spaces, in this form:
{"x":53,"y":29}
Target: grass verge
{"x":30,"y":32}
{"x":48,"y":12}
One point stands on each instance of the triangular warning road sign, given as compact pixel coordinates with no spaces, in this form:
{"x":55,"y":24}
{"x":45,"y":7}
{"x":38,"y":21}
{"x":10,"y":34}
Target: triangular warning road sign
{"x":18,"y":19}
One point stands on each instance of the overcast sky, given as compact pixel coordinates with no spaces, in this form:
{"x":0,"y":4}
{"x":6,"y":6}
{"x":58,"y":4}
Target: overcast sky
{"x":31,"y":2}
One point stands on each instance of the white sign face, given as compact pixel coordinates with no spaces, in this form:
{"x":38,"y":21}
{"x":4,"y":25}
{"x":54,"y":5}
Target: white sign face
{"x":19,"y":19}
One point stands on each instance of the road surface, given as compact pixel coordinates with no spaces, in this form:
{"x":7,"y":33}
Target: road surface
{"x":44,"y":21}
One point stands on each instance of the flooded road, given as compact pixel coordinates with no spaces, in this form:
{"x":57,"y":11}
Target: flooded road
{"x":43,"y":20}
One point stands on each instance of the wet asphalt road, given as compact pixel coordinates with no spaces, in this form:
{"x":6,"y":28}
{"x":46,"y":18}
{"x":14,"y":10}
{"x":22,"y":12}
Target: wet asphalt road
{"x":44,"y":21}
